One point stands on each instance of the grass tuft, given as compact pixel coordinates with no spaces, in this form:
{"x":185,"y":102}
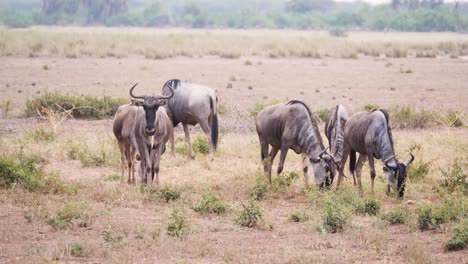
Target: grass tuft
{"x":250,"y":215}
{"x":179,"y":224}
{"x":211,"y":203}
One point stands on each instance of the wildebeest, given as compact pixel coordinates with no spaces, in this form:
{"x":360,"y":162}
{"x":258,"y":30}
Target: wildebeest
{"x":334,"y":131}
{"x":292,"y":126}
{"x":193,"y":104}
{"x":369,"y":133}
{"x":124,"y":131}
{"x":153,"y":129}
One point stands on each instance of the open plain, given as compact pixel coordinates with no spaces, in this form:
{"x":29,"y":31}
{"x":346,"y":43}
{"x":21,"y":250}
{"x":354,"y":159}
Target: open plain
{"x":115,"y":223}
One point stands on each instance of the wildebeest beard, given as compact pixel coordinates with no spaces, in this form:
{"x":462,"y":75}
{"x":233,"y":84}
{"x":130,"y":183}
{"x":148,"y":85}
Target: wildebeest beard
{"x":400,"y":174}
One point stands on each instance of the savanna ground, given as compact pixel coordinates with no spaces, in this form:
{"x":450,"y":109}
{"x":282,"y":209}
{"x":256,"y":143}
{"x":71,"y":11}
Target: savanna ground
{"x":93,"y":218}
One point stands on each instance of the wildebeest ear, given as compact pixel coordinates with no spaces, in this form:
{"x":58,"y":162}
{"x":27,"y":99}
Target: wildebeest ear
{"x":162,"y":102}
{"x":385,"y":169}
{"x":137,"y":103}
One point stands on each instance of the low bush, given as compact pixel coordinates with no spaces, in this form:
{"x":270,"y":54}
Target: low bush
{"x":459,"y":239}
{"x":211,"y":203}
{"x":66,"y":215}
{"x":397,"y":215}
{"x":115,"y":236}
{"x":298,"y":217}
{"x":200,"y":144}
{"x":168,"y":194}
{"x":337,"y":32}
{"x":259,"y":190}
{"x":179,"y":225}
{"x":369,"y":206}
{"x":335,"y":216}
{"x":28,"y":172}
{"x":323,"y":114}
{"x":39,"y":134}
{"x":259,"y":106}
{"x":84,"y":106}
{"x":408,"y":117}
{"x":282,"y":182}
{"x":370,"y":107}
{"x":250,"y":215}
{"x":454,"y":179}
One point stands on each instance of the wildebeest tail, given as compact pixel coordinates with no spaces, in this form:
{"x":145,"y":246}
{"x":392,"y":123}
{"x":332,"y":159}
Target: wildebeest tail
{"x":352,"y":160}
{"x":214,"y":123}
{"x":174,"y":83}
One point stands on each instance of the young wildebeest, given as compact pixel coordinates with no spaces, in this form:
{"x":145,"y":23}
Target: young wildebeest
{"x":193,"y":104}
{"x":153,"y":129}
{"x":369,"y":134}
{"x":123,"y":128}
{"x":291,"y":126}
{"x":334,"y":131}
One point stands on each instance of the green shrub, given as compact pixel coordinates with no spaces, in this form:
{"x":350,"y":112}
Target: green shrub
{"x":115,"y":236}
{"x":102,"y":155}
{"x":335,"y":216}
{"x":397,"y":215}
{"x":459,"y":240}
{"x":337,"y":32}
{"x":250,"y":215}
{"x":408,"y":117}
{"x":39,"y":134}
{"x":323,"y":114}
{"x":454,"y":179}
{"x":168,"y":194}
{"x":371,"y":206}
{"x":28,"y":172}
{"x":201,"y":145}
{"x":419,"y":170}
{"x":211,"y":203}
{"x":259,"y":106}
{"x":282,"y":182}
{"x":370,"y":107}
{"x":179,"y":225}
{"x":65,"y":216}
{"x":85,"y":106}
{"x":77,"y":249}
{"x":259,"y":190}
{"x":424,"y":217}
{"x":298,"y":217}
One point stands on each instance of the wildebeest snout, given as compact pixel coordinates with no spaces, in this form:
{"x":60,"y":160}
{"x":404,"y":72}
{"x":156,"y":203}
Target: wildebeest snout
{"x":150,"y":131}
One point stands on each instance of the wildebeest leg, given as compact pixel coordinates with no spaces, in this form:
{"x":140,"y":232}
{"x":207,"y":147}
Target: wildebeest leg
{"x":122,"y":161}
{"x":129,"y":157}
{"x":147,"y":168}
{"x":305,"y":169}
{"x":187,"y":139}
{"x":359,"y":164}
{"x":284,"y":151}
{"x":272,"y":157}
{"x":172,"y":145}
{"x":157,"y":159}
{"x":344,"y":158}
{"x":132,"y":155}
{"x":207,"y":130}
{"x":264,"y":154}
{"x":372,"y":171}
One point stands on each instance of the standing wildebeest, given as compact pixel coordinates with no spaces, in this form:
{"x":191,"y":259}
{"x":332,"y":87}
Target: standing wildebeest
{"x":369,"y":134}
{"x":193,"y":104}
{"x":291,"y":126}
{"x":334,"y":131}
{"x":124,"y":131}
{"x":153,"y":129}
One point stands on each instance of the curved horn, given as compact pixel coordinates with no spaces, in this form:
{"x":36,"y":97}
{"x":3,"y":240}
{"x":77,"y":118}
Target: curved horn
{"x":410,"y":160}
{"x":169,"y":96}
{"x":322,"y":152}
{"x":134,"y":96}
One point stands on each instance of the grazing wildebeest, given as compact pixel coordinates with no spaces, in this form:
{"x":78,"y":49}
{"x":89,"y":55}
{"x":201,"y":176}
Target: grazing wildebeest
{"x":153,"y":129}
{"x":369,"y":134}
{"x":124,"y":131}
{"x":334,"y":131}
{"x":292,"y":126}
{"x":193,"y":104}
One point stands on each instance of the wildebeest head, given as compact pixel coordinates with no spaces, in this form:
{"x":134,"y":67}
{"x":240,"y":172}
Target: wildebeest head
{"x":150,"y":104}
{"x":397,"y":172}
{"x":324,"y":169}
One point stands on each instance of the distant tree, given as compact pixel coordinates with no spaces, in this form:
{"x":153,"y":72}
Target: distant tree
{"x":396,"y":4}
{"x":192,"y":9}
{"x":304,"y":6}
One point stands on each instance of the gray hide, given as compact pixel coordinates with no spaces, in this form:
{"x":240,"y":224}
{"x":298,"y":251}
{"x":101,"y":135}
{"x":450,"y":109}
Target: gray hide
{"x":123,"y":128}
{"x":369,"y":134}
{"x":152,"y":131}
{"x":291,"y":126}
{"x":193,"y":104}
{"x":334,"y":131}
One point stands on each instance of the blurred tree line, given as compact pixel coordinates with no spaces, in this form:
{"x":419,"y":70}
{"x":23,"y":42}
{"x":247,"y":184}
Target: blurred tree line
{"x":401,"y":15}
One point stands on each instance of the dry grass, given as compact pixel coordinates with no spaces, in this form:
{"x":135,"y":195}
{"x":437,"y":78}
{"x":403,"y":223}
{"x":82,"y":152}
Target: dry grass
{"x":231,"y":44}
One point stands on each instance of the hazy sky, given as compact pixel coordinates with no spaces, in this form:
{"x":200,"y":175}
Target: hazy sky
{"x":388,"y":1}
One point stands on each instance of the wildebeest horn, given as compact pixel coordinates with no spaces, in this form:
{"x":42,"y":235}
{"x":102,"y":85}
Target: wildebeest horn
{"x":169,"y":96}
{"x":322,"y":152}
{"x":410,"y":160}
{"x":134,"y":96}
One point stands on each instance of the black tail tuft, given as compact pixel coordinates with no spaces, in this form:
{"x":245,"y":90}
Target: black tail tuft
{"x":214,"y":126}
{"x":352,"y":160}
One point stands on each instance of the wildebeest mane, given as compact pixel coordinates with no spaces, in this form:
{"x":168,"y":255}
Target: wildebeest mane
{"x":387,"y":119}
{"x":312,"y":119}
